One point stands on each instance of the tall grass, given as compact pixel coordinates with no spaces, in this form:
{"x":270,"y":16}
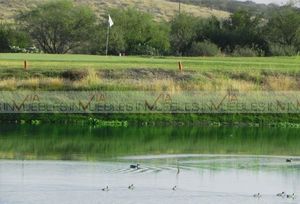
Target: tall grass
{"x":90,"y":81}
{"x":281,"y":83}
{"x":162,"y":81}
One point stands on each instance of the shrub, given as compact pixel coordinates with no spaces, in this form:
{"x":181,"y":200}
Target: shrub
{"x":246,"y":52}
{"x":205,"y":48}
{"x":145,"y":50}
{"x":17,"y":49}
{"x":282,"y":50}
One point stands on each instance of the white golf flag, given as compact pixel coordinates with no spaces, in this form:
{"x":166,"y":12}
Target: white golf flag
{"x":110,"y":21}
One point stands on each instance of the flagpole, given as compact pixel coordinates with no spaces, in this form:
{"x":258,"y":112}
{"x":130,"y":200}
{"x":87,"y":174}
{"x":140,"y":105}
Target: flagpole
{"x":107,"y":39}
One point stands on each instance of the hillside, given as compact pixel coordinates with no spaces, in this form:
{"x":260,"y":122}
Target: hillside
{"x":231,"y":5}
{"x":162,"y":9}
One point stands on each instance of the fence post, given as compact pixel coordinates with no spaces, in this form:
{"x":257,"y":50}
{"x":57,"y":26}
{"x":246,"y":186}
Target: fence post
{"x":25,"y":64}
{"x":180,"y":66}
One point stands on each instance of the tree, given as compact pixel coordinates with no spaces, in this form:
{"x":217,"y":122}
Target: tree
{"x":117,"y":42}
{"x":135,"y":32}
{"x":284,"y":27}
{"x":183,"y":33}
{"x":243,"y":29}
{"x":211,"y":30}
{"x":59,"y":26}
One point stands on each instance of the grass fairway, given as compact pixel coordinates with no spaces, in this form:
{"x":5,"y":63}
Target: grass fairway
{"x":45,"y":61}
{"x":87,"y":72}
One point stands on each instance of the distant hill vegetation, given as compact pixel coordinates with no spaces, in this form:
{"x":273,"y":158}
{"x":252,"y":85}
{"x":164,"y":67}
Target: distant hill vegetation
{"x":161,"y":9}
{"x":231,"y":5}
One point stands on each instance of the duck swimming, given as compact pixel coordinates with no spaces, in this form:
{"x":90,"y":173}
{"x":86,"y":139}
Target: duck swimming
{"x":131,"y":187}
{"x":282,"y":194}
{"x":105,"y":189}
{"x":137,"y":166}
{"x":258,"y":195}
{"x":293,"y":196}
{"x":289,"y":160}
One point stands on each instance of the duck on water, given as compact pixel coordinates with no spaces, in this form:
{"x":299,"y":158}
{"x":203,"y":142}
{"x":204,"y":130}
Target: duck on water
{"x":292,"y":196}
{"x":258,"y":195}
{"x":131,"y":187}
{"x":282,"y":194}
{"x":105,"y":189}
{"x":135,"y":166}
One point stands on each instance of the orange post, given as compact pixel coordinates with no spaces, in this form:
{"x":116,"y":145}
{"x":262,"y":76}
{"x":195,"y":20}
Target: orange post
{"x":25,"y":64}
{"x":180,"y":66}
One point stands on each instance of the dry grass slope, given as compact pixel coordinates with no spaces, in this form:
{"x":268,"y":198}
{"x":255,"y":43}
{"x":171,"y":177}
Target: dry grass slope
{"x":162,"y":9}
{"x":152,"y":80}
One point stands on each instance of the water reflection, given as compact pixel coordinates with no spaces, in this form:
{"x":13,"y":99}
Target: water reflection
{"x":86,"y":143}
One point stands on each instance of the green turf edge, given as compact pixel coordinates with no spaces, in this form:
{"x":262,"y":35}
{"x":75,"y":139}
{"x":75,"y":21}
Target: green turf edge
{"x":253,"y":120}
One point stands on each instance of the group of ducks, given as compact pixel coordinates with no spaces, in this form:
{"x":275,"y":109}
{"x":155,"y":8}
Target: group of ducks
{"x":282,"y":194}
{"x":131,"y":187}
{"x":258,"y":195}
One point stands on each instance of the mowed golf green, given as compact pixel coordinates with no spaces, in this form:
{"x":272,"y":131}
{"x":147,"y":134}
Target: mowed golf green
{"x":47,"y":61}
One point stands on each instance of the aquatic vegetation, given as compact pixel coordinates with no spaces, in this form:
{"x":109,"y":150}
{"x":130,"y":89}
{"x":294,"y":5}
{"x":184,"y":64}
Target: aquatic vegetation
{"x":106,"y":123}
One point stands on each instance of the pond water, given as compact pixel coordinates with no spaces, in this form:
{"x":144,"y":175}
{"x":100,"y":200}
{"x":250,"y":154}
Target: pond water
{"x":71,"y":164}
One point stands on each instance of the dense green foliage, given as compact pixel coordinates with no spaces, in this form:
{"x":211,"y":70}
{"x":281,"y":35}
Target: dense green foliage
{"x":183,"y":33}
{"x":243,"y":34}
{"x":4,"y":39}
{"x":59,"y":26}
{"x":205,"y":48}
{"x":284,"y":31}
{"x":134,"y":33}
{"x":77,"y":30}
{"x":10,"y":36}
